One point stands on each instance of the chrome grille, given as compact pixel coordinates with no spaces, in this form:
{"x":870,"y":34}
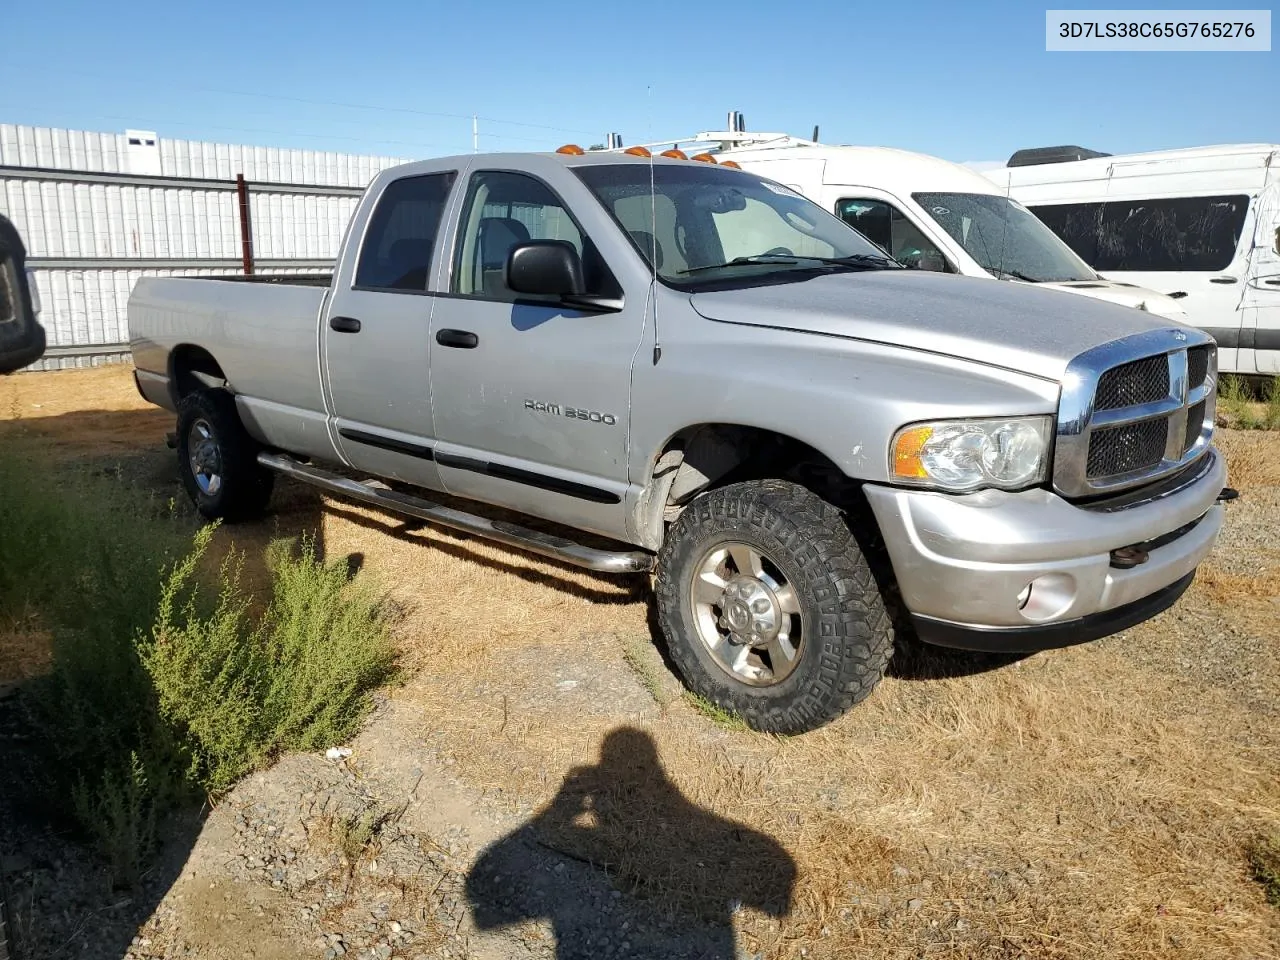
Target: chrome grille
{"x":1195,"y":424}
{"x":1133,"y":411}
{"x":1134,"y":446}
{"x":1197,"y":366}
{"x":1142,"y":381}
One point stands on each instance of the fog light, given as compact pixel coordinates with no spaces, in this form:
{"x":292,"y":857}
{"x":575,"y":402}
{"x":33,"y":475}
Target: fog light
{"x":1047,"y":597}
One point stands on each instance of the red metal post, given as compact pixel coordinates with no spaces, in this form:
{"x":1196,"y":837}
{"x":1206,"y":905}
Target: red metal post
{"x":246,"y":227}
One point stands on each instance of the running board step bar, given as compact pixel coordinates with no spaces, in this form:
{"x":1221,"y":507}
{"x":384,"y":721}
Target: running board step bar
{"x":513,"y":535}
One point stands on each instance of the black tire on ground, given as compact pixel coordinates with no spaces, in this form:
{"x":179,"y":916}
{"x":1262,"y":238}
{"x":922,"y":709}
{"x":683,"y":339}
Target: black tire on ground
{"x":846,"y":637}
{"x":210,"y":433}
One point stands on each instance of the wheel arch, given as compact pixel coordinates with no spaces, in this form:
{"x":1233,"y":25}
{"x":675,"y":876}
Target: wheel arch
{"x":192,"y":368}
{"x":704,"y":456}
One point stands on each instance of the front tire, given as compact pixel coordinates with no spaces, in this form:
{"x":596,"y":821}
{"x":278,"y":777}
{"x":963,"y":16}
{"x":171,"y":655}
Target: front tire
{"x":218,"y":459}
{"x":770,"y":608}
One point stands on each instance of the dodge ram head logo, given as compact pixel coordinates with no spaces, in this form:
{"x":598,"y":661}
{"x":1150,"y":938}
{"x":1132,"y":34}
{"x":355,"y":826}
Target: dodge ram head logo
{"x":573,"y":413}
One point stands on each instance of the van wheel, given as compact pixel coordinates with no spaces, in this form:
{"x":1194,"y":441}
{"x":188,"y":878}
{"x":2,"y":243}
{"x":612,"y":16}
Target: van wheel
{"x":770,"y":608}
{"x":218,"y":459}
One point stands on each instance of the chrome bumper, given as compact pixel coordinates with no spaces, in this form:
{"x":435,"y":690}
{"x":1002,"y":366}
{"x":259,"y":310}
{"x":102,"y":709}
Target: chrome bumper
{"x":963,"y":562}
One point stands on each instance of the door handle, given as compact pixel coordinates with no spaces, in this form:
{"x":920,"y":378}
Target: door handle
{"x":1222,"y":279}
{"x":463,"y":339}
{"x":344,"y":324}
{"x":1272,"y":283}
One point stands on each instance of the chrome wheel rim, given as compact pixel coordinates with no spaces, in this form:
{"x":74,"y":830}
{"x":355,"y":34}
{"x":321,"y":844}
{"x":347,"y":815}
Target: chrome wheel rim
{"x":204,"y":457}
{"x":746,"y":614}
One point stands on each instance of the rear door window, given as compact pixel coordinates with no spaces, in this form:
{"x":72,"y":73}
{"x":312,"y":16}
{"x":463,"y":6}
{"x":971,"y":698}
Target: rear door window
{"x":1158,"y":235}
{"x":401,"y":236}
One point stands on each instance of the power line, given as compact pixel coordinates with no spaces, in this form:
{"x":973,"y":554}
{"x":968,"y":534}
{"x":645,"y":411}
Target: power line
{"x":320,"y":103}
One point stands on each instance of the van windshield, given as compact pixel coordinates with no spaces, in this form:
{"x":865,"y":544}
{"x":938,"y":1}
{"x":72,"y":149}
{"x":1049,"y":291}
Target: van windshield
{"x":699,"y":225}
{"x":1004,"y":237}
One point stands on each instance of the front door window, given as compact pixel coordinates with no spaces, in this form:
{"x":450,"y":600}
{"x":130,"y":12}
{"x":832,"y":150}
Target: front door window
{"x":885,"y":225}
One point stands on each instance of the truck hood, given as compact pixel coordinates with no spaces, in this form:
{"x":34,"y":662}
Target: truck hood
{"x":1009,"y":325}
{"x":1126,"y":295}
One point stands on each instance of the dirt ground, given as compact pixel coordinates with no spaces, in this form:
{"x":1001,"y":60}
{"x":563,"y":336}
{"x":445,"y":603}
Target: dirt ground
{"x":538,"y":777}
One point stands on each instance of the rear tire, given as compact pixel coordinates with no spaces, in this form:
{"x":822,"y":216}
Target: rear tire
{"x":218,"y":460}
{"x":770,"y":607}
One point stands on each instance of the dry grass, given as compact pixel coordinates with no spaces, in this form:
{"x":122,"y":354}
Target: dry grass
{"x":28,"y":653}
{"x":1229,"y":588}
{"x":1252,"y":459}
{"x":1083,"y":803}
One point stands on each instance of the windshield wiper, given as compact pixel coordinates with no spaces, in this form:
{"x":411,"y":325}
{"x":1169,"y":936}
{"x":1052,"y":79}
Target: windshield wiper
{"x":855,"y":261}
{"x":1017,"y":275}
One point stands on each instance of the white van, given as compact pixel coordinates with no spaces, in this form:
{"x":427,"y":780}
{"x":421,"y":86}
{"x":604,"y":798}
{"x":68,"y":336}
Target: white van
{"x":1202,"y":225}
{"x":929,"y":213}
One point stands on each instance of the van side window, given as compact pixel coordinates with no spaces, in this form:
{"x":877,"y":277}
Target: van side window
{"x":1167,"y":234}
{"x":886,"y":226}
{"x":401,"y":235}
{"x":503,"y":210}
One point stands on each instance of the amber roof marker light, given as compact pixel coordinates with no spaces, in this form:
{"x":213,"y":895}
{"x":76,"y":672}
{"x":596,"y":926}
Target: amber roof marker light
{"x":571,"y":149}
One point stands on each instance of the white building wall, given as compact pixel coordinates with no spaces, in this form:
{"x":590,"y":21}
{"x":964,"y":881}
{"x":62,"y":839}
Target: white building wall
{"x":83,"y":306}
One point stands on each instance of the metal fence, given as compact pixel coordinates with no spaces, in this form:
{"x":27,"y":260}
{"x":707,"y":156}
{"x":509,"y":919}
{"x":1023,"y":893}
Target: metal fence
{"x":98,"y":211}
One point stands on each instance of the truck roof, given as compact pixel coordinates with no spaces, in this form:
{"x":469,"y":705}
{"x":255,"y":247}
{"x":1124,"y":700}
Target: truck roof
{"x":525,"y":158}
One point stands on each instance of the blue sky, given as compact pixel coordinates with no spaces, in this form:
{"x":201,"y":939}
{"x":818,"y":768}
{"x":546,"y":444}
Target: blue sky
{"x":962,"y":81}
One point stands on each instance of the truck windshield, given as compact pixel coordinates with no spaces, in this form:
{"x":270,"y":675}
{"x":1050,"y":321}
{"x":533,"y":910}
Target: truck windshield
{"x":698,"y":225}
{"x":1004,"y":237}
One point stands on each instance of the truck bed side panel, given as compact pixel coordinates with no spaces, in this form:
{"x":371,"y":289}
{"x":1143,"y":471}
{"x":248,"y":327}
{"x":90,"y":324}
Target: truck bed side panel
{"x":263,"y":336}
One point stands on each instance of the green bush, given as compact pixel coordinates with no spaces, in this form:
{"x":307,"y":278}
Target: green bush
{"x":81,"y":555}
{"x":1249,"y":403}
{"x":244,"y":688}
{"x":160,"y":691}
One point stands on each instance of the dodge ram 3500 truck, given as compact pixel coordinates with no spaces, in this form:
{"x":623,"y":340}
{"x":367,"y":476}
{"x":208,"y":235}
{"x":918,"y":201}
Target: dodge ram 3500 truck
{"x":684,"y":368}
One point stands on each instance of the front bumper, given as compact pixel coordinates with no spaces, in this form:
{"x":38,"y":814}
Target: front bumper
{"x":963,"y":562}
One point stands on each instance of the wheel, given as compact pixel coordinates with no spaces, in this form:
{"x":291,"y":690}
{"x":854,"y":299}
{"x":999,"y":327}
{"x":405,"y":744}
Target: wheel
{"x":770,"y":608}
{"x":218,"y":459}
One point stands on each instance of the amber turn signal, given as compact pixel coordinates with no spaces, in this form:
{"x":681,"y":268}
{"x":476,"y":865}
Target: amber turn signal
{"x":906,"y":452}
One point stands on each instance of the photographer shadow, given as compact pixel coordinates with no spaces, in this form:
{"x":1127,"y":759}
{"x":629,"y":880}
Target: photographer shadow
{"x":621,"y":862}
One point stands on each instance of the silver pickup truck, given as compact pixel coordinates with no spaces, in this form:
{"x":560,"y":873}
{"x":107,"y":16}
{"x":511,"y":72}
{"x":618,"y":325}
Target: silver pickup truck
{"x":683,"y":368}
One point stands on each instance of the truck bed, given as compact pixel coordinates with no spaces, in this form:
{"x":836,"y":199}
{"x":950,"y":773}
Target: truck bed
{"x":262,"y":332}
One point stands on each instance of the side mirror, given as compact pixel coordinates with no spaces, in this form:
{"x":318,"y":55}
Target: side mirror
{"x":21,"y":337}
{"x":545,"y":267}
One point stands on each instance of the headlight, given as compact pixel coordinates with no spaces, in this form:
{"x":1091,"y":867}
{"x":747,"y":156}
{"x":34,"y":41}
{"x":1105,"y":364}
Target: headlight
{"x":962,"y":455}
